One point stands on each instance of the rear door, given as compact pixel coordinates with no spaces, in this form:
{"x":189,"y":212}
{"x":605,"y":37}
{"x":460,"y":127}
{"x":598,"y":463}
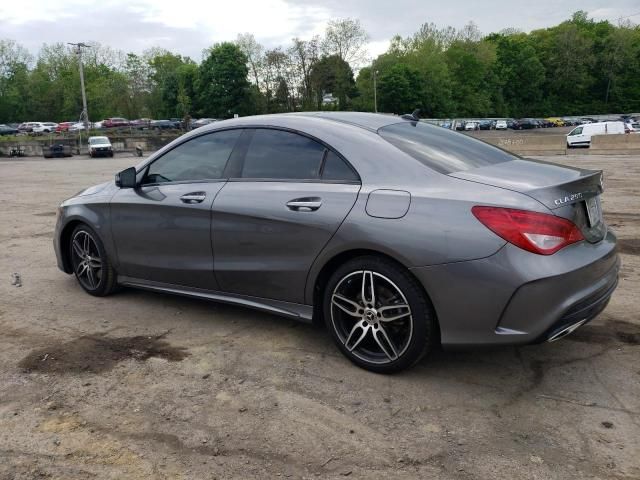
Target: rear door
{"x":162,"y":229}
{"x":289,"y":196}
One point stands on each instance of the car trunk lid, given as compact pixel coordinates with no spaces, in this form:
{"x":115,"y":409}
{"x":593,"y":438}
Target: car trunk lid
{"x":571,"y":193}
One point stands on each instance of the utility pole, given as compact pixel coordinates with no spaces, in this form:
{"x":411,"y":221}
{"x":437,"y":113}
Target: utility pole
{"x":85,"y":112}
{"x":375,"y":90}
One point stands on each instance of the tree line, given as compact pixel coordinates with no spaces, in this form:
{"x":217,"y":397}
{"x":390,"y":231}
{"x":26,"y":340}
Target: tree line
{"x":580,"y":66}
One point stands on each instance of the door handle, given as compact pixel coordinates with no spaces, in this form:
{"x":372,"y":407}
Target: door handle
{"x":308,"y":204}
{"x":193,"y":197}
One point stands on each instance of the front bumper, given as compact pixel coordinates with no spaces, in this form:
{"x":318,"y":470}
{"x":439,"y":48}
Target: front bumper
{"x":515,"y":297}
{"x":102,"y":152}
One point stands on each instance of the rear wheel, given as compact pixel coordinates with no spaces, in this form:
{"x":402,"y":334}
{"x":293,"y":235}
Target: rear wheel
{"x":378,"y":315}
{"x":90,"y":262}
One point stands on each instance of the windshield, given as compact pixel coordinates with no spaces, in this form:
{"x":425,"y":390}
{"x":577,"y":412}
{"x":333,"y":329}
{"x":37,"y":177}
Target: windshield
{"x":96,"y":140}
{"x":442,"y":150}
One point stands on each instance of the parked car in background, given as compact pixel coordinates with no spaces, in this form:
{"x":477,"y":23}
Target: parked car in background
{"x":555,"y":121}
{"x":164,"y":125}
{"x":7,"y":130}
{"x":98,"y":125}
{"x":78,"y":127}
{"x":581,"y":135}
{"x":501,"y":125}
{"x":140,"y":123}
{"x":100,"y":147}
{"x":544,"y":123}
{"x":202,"y":122}
{"x":63,"y":127}
{"x":524,"y":124}
{"x":25,"y":127}
{"x":43,"y":127}
{"x":586,"y":121}
{"x":115,"y":122}
{"x":471,"y":126}
{"x":485,"y":124}
{"x":630,"y":127}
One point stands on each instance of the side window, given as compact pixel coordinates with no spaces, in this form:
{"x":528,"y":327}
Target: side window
{"x":577,"y":131}
{"x":336,"y":169}
{"x":201,"y":158}
{"x":282,"y":155}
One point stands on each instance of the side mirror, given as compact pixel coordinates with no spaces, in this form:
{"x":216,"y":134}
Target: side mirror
{"x":126,"y":178}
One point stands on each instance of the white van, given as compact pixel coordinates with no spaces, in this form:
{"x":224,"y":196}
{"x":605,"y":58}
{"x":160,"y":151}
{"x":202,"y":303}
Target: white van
{"x":581,"y":135}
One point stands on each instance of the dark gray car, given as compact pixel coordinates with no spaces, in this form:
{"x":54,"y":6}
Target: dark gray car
{"x":396,"y":234}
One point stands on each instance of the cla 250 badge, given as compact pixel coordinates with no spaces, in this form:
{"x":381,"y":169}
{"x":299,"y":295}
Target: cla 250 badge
{"x":568,"y":198}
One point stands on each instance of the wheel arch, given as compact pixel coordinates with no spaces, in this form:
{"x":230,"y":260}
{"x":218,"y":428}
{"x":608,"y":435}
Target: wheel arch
{"x":65,"y":239}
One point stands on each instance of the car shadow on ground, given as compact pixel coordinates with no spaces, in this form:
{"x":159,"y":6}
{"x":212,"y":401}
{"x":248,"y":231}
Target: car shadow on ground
{"x":496,"y":367}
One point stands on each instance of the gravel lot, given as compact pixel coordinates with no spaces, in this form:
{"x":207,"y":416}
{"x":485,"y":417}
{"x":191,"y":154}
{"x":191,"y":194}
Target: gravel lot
{"x":142,"y":385}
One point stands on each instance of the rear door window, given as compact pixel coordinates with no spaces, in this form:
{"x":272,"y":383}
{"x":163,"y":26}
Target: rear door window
{"x":276,"y":154}
{"x":336,"y":168}
{"x":443,"y":150}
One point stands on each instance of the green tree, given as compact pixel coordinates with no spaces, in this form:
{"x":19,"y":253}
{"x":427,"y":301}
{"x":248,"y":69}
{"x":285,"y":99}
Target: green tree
{"x":400,"y":90}
{"x":222,"y":81}
{"x":333,"y":75}
{"x":520,"y":76}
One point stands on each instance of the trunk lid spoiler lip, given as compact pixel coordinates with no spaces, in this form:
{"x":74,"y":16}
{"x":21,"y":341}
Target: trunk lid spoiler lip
{"x":570,"y":184}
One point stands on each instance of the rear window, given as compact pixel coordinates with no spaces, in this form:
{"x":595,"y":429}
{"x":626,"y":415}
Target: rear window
{"x":442,"y":150}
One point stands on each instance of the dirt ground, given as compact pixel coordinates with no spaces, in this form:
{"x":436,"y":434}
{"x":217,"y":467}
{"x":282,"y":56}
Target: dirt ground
{"x":143,"y":385}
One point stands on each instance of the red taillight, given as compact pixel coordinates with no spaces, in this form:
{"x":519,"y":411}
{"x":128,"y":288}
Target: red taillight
{"x":535,"y":232}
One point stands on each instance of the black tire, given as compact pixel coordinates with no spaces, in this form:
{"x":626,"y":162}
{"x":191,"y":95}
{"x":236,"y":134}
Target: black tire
{"x":104,"y":277}
{"x":413,"y":335}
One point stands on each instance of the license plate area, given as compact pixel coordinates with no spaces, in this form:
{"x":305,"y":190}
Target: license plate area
{"x":594,"y":212}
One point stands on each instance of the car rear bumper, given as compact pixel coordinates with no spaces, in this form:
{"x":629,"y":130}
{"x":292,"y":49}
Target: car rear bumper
{"x":515,"y":297}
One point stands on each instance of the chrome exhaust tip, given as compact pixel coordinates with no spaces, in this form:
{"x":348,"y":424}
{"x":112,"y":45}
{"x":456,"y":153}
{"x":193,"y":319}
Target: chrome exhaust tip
{"x":566,"y":331}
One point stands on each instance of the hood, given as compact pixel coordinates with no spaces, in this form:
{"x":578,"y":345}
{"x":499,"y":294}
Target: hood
{"x":93,"y":190}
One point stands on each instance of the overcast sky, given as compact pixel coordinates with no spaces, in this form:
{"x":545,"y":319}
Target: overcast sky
{"x":188,"y":26}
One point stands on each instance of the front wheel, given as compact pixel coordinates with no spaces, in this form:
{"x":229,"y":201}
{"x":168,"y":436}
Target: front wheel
{"x":90,"y":262}
{"x":378,"y":314}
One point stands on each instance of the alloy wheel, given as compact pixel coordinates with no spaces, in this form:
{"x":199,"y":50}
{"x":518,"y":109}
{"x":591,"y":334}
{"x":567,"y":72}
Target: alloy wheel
{"x":87,"y":263}
{"x":371,"y":317}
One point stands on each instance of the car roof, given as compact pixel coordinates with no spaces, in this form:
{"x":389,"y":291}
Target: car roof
{"x":367,"y":121}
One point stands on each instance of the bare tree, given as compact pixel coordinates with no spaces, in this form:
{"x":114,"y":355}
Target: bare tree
{"x":12,"y":54}
{"x":304,"y":54}
{"x":347,"y":39}
{"x":255,"y":54}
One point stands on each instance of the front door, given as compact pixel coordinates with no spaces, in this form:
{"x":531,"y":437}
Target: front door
{"x":269,"y":224}
{"x":162,"y":229}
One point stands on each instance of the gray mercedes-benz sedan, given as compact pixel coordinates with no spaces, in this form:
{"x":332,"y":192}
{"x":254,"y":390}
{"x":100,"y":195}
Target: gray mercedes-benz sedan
{"x":396,"y":234}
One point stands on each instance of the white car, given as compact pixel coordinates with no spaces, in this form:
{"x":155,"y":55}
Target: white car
{"x":42,"y":127}
{"x":100,"y":146}
{"x":471,"y":126}
{"x":581,"y":135}
{"x":632,"y":127}
{"x":501,"y":125}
